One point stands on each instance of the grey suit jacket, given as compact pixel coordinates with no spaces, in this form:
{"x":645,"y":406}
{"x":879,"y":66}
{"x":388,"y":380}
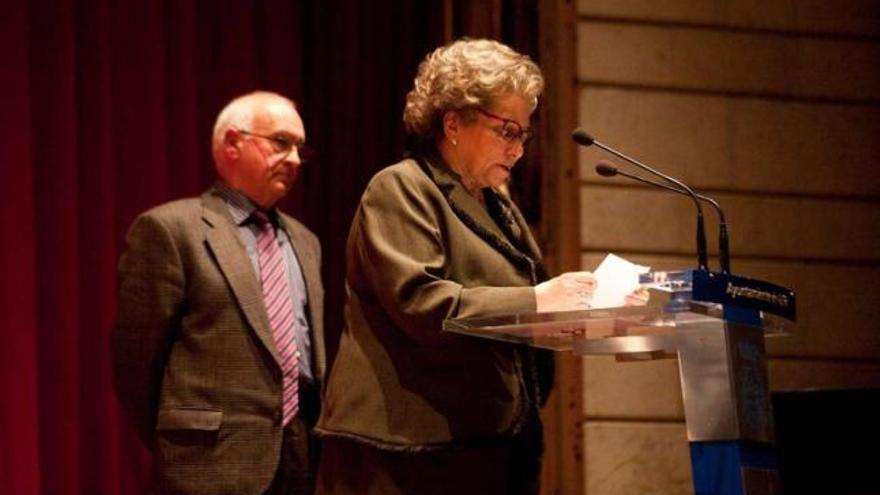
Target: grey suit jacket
{"x":194,"y":361}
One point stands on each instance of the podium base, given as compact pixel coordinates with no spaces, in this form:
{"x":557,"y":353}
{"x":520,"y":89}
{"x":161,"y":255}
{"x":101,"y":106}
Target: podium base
{"x":734,"y":468}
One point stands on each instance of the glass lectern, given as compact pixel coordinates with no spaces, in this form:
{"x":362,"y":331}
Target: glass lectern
{"x":715,"y":324}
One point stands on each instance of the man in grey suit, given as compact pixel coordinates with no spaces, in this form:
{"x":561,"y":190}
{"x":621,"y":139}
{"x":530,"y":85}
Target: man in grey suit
{"x":218,"y":349}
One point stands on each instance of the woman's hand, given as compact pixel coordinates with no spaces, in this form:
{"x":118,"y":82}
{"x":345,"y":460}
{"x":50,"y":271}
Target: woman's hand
{"x":638,"y":297}
{"x":567,"y":292}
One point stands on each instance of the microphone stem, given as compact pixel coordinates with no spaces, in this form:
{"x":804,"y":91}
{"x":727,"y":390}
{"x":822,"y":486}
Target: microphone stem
{"x":702,"y":254}
{"x":723,"y":248}
{"x":723,"y":240}
{"x":702,"y":257}
{"x":633,"y":160}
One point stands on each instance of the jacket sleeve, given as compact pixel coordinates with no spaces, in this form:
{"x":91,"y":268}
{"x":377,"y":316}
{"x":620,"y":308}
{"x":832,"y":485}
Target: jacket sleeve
{"x":397,"y":250}
{"x":150,"y":295}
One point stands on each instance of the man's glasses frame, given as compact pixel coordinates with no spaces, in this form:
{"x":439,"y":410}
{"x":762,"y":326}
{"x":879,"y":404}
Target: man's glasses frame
{"x":282,"y":144}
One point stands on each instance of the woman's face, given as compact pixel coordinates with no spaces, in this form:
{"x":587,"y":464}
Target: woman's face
{"x":487,"y":148}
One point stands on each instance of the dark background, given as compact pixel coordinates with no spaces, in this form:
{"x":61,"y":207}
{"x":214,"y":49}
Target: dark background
{"x":107,"y":109}
{"x":826,"y":440}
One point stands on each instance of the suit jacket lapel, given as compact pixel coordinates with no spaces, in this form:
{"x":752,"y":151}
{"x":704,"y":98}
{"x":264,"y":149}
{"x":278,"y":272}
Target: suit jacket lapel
{"x":223,"y":240}
{"x":475,"y":216}
{"x":468,"y":205}
{"x":464,"y":204}
{"x":527,"y":241}
{"x":310,"y":268}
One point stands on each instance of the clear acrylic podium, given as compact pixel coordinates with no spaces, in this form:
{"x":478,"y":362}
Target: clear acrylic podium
{"x":721,"y":355}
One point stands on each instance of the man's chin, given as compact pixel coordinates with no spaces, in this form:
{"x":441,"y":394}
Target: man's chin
{"x":282,"y":187}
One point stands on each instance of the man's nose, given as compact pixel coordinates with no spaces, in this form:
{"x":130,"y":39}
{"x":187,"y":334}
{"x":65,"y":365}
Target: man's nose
{"x":293,"y":157}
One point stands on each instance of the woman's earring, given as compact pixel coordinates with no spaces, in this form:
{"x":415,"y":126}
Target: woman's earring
{"x":454,"y":142}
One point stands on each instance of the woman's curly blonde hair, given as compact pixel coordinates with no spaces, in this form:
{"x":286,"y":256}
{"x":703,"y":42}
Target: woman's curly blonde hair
{"x":465,"y":74}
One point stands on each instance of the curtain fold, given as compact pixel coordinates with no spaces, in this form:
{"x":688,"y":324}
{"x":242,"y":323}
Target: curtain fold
{"x":108,"y":111}
{"x":19,"y":424}
{"x":56,"y":205}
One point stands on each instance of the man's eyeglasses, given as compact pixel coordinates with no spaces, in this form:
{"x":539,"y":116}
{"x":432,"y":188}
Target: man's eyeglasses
{"x":509,"y":129}
{"x":283,"y":144}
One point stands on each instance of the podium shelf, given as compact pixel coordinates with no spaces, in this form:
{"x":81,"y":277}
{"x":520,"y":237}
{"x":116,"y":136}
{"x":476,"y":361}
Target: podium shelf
{"x":604,"y":331}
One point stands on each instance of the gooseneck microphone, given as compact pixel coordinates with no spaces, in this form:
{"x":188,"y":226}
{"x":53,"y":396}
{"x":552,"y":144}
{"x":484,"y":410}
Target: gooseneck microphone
{"x":606,"y":169}
{"x":583,"y":138}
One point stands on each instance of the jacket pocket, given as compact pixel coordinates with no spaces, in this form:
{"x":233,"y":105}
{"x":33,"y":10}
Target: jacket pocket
{"x":189,"y":418}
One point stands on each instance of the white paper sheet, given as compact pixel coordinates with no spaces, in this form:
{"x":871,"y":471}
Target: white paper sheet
{"x":615,"y":279}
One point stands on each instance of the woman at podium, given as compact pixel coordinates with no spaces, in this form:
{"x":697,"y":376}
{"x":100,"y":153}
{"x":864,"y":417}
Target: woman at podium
{"x":410,"y":409}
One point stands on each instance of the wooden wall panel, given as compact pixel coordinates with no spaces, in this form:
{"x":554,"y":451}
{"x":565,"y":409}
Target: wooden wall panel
{"x":651,"y":390}
{"x":558,"y":233}
{"x":641,"y":219}
{"x":708,"y":60}
{"x":632,"y":390}
{"x":623,"y":458}
{"x":853,"y":17}
{"x":773,"y":108}
{"x":737,"y":144}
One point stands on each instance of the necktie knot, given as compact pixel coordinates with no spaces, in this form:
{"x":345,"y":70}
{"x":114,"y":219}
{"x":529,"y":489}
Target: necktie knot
{"x":261,"y":217}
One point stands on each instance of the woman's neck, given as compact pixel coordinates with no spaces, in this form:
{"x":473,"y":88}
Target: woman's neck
{"x":449,"y":155}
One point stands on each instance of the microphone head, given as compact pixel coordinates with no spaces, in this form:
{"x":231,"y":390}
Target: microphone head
{"x":606,"y":169}
{"x":582,"y":137}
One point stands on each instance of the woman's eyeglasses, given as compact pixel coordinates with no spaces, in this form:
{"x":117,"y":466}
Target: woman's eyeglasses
{"x":509,"y":129}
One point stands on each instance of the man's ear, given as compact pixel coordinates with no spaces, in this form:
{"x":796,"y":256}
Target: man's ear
{"x":230,"y":144}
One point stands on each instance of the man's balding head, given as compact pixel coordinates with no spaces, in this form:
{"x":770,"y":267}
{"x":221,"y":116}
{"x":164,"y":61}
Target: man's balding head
{"x":239,"y":114}
{"x":256,"y":144}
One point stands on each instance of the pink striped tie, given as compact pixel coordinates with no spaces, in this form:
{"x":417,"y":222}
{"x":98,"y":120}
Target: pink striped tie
{"x":276,"y":296}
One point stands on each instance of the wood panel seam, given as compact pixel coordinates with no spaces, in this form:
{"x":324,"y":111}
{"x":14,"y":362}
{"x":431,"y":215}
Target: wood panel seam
{"x":729,"y":93}
{"x":728,"y":28}
{"x":738,"y":256}
{"x":870,"y":199}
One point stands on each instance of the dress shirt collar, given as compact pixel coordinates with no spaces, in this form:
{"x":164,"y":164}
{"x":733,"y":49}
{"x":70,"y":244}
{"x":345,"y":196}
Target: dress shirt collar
{"x":240,"y":206}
